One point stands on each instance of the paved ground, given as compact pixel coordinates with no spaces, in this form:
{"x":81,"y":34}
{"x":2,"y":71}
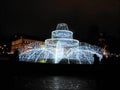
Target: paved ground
{"x":53,"y":83}
{"x":26,"y":76}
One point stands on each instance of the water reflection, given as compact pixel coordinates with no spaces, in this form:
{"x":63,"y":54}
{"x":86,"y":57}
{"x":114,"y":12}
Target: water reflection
{"x":54,"y":83}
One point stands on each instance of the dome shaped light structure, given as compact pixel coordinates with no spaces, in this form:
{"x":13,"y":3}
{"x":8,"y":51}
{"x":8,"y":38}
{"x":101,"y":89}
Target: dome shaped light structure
{"x":61,"y":47}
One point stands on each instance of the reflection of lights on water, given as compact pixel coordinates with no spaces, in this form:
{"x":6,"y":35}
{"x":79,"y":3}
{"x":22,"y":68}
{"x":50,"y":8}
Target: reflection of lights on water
{"x":61,"y":46}
{"x":61,"y":83}
{"x":66,"y":83}
{"x":56,"y":83}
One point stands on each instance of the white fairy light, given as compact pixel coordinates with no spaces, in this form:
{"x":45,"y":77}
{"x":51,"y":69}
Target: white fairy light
{"x":61,"y":46}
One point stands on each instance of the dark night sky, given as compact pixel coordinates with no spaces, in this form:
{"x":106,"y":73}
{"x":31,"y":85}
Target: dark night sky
{"x":40,"y":17}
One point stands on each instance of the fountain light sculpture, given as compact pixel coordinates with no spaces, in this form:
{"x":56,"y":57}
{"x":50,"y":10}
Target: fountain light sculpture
{"x":61,"y":47}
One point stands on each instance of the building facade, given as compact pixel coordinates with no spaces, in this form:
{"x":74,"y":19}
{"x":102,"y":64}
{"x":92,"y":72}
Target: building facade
{"x":17,"y":44}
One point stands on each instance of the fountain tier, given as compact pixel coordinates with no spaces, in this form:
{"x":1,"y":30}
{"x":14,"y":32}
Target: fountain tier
{"x":62,"y":47}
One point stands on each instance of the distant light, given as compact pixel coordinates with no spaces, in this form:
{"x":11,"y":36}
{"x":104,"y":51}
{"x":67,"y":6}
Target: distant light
{"x":111,"y":53}
{"x":117,"y":56}
{"x":4,"y":45}
{"x":30,"y":47}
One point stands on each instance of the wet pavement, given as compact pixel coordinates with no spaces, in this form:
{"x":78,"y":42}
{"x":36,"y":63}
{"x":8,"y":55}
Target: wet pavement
{"x":26,"y":76}
{"x":53,"y":83}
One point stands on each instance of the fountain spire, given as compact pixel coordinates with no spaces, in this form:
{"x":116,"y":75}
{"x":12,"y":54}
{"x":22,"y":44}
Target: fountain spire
{"x":62,"y":26}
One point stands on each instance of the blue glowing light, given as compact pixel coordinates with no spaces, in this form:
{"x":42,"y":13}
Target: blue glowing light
{"x":61,"y":46}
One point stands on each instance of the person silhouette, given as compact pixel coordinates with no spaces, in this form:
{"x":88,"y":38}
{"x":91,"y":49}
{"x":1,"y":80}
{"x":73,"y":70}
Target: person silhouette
{"x":96,"y":59}
{"x":16,"y":55}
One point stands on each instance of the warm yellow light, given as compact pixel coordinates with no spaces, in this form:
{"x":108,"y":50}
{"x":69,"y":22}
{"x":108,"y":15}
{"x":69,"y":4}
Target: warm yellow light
{"x":42,"y":61}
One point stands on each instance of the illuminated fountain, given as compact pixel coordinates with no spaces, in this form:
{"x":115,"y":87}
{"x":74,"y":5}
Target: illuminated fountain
{"x":61,"y":47}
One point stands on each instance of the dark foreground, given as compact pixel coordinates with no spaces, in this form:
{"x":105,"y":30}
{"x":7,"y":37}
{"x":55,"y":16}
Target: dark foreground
{"x":36,"y":76}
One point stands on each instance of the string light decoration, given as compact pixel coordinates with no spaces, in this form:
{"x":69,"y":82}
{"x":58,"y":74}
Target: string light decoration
{"x":61,"y":46}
